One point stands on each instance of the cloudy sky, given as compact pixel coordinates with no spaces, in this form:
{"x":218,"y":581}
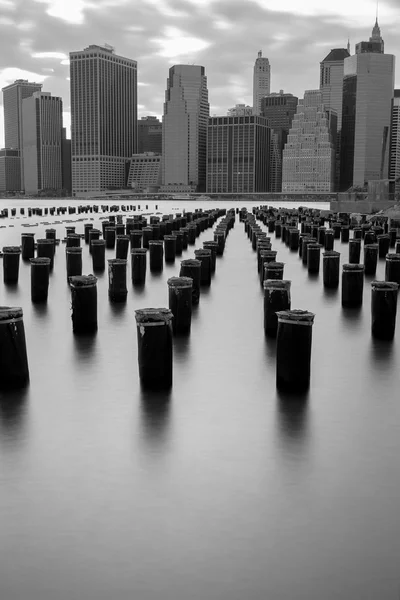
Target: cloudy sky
{"x":223,"y":35}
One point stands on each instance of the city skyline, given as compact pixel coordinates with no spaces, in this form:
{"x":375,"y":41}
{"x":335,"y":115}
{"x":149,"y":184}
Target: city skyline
{"x":38,"y":35}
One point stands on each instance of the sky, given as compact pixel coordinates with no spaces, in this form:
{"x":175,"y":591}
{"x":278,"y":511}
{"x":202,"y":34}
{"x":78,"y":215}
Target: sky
{"x":224,"y":36}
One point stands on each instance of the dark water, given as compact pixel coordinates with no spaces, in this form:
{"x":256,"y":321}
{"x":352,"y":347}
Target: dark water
{"x":223,"y":489}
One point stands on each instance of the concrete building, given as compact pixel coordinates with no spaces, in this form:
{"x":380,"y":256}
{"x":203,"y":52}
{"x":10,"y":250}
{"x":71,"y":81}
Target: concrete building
{"x":368,"y":86}
{"x":238,"y":155}
{"x":66,"y":161}
{"x":279,"y":109}
{"x":186,"y":112}
{"x":261,"y":81}
{"x":240,"y":110}
{"x":149,"y":135}
{"x":394,"y":154}
{"x":145,"y":171}
{"x":10,"y":170}
{"x":103,"y":118}
{"x":309,"y":154}
{"x":13,"y":95}
{"x":41,"y":134}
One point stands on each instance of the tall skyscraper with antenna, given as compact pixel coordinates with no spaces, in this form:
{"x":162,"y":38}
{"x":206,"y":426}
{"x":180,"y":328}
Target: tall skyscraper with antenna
{"x":261,"y":81}
{"x":368,"y":88}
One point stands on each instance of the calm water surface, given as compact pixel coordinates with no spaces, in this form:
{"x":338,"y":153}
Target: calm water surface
{"x":222,"y":489}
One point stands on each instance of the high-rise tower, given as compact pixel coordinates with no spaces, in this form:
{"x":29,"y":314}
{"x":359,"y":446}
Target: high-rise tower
{"x":261,"y":81}
{"x":103,"y":118}
{"x":13,"y":95}
{"x":184,"y":138}
{"x":368,"y":86}
{"x":309,"y":154}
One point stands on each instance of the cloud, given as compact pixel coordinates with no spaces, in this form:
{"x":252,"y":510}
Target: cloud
{"x":222,"y":35}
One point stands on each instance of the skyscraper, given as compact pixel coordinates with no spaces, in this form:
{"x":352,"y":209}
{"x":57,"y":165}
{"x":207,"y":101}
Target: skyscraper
{"x":331,"y":86}
{"x":240,"y":110}
{"x":13,"y":95}
{"x":149,"y":135}
{"x":42,"y":129}
{"x":66,"y":162}
{"x":10,"y":170}
{"x":394,"y":155}
{"x":103,"y":118}
{"x":309,"y":154}
{"x":261,"y":81}
{"x":367,"y":98}
{"x":279,"y":109}
{"x":186,"y":112}
{"x":237,"y":154}
{"x":375,"y":44}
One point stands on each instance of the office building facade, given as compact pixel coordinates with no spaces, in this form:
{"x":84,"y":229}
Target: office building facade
{"x":279,"y":109}
{"x":13,"y":95}
{"x":394,"y":154}
{"x":10,"y":170}
{"x":261,"y":81}
{"x":184,"y":137}
{"x":42,"y":133}
{"x":368,"y":87}
{"x":103,"y":118}
{"x":66,"y":161}
{"x":149,"y":135}
{"x":238,"y":155}
{"x":145,"y":171}
{"x":309,"y":154}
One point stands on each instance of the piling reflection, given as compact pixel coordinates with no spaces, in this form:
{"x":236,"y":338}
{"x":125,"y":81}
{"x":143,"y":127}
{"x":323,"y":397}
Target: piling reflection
{"x":13,"y":409}
{"x":292,"y":412}
{"x":181,"y":344}
{"x":270,"y":350}
{"x":155,"y":416}
{"x":85,"y":348}
{"x":40,"y":309}
{"x":118,"y":309}
{"x":382,"y":355}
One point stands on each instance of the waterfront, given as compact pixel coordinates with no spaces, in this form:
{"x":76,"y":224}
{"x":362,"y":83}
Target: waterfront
{"x":222,"y":489}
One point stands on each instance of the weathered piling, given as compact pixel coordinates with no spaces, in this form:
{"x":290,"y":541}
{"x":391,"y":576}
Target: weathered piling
{"x":204,"y":256}
{"x":302,"y":237}
{"x":354,"y":251}
{"x":383,"y":309}
{"x":213,"y":246}
{"x":369,"y":238}
{"x":370,"y":258}
{"x":73,"y":261}
{"x":84,"y":303}
{"x":11,"y":256}
{"x":147,"y":236}
{"x":156,"y":255}
{"x":40,"y":274}
{"x":98,"y":255}
{"x":192,"y":268}
{"x":293,"y":350}
{"x":276,"y":298}
{"x":94,"y":234}
{"x":357,"y":233}
{"x":169,"y":248}
{"x":178,"y":244}
{"x":219,"y":237}
{"x":110,"y":237}
{"x":136,"y":238}
{"x":27,"y":246}
{"x":46,"y":248}
{"x":294,"y":236}
{"x":313,"y":257}
{"x":14,"y":371}
{"x":329,"y":240}
{"x":345,"y":233}
{"x":73,"y":240}
{"x":383,"y":245}
{"x":337,"y":227}
{"x":304,"y":252}
{"x":331,"y":268}
{"x":86,"y":228}
{"x":180,"y":303}
{"x":273,"y":270}
{"x":122,"y":246}
{"x":392,"y":237}
{"x":154,"y":335}
{"x":138,"y":265}
{"x":50,"y":234}
{"x":117,"y":290}
{"x":392,"y":268}
{"x":352,"y":285}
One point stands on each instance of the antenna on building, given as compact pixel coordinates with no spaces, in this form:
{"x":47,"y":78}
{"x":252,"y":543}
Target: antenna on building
{"x":377,"y":9}
{"x":259,"y":53}
{"x":348,"y":45}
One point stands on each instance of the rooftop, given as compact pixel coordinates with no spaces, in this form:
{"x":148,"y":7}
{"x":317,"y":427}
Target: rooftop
{"x":336,"y":54}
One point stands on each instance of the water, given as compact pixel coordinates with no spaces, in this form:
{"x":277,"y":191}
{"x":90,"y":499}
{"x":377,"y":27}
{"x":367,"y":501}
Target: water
{"x":223,"y":488}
